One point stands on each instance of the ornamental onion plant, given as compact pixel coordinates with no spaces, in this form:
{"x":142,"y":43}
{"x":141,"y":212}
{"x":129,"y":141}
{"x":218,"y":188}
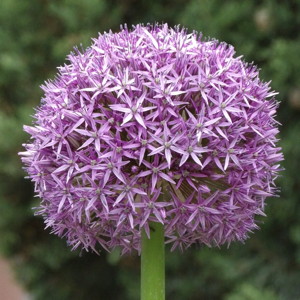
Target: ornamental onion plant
{"x":153,"y":136}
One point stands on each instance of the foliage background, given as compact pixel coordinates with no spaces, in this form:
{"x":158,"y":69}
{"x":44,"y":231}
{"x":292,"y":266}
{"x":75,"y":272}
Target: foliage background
{"x":35,"y":37}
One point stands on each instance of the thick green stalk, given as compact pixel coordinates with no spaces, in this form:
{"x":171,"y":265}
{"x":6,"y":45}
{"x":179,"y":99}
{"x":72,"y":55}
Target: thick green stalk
{"x":153,"y":264}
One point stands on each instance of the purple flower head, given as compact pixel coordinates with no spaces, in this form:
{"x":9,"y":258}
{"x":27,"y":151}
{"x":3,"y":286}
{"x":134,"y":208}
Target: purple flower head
{"x":153,"y":125}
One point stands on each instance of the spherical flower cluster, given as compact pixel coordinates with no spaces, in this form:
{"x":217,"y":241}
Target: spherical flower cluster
{"x":153,"y":124}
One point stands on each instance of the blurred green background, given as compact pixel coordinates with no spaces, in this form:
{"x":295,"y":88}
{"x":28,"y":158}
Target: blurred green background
{"x":35,"y":37}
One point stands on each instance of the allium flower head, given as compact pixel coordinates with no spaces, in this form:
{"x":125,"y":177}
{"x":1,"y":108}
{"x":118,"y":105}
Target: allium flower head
{"x":153,"y":125}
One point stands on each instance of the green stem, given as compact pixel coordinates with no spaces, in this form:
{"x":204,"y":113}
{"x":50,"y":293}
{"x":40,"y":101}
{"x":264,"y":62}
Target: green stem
{"x":153,"y":264}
